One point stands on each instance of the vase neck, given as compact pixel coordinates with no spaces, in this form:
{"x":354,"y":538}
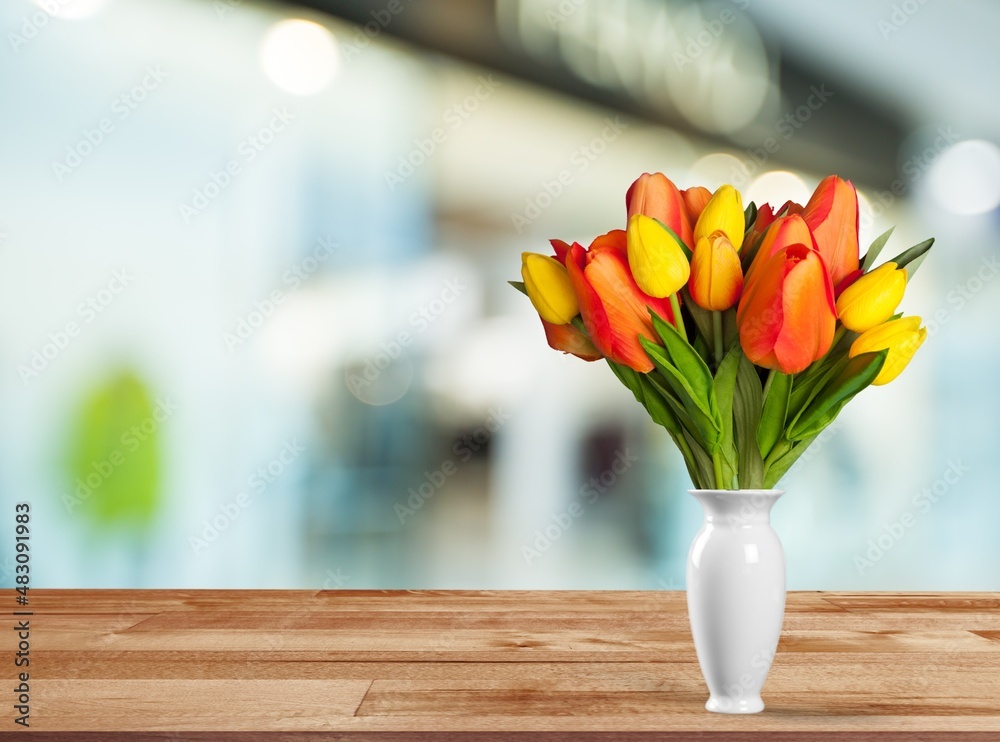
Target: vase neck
{"x":737,"y":507}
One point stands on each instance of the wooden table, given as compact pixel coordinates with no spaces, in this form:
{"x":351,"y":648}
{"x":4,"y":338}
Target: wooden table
{"x":541,"y":665}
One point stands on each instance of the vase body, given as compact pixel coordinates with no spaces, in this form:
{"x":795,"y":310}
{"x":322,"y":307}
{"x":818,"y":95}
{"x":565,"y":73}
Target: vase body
{"x":736,"y":596}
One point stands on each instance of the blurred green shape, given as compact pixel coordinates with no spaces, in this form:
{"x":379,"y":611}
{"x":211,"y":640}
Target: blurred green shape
{"x":114,"y":462}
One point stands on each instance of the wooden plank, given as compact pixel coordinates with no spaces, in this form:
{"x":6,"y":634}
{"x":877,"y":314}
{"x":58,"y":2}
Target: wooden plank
{"x":517,"y":664}
{"x":181,"y":705}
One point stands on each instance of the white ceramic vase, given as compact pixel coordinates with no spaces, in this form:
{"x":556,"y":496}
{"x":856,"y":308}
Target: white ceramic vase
{"x":736,"y":596}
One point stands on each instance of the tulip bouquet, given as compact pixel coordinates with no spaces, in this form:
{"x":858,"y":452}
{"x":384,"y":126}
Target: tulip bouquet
{"x":742,"y":332}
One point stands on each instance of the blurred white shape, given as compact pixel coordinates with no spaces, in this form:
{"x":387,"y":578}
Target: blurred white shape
{"x":716,"y":169}
{"x":776,"y":187}
{"x":299,"y":56}
{"x":71,"y":9}
{"x":965,"y":179}
{"x":720,"y":77}
{"x":478,"y":371}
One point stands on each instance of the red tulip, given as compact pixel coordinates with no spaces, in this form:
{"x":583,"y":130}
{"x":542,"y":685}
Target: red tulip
{"x":765,"y":215}
{"x":832,"y":215}
{"x":656,"y":196}
{"x":787,"y":316}
{"x":615,"y":311}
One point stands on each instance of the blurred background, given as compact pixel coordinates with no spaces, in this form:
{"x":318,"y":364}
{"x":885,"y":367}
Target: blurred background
{"x":255,"y":326}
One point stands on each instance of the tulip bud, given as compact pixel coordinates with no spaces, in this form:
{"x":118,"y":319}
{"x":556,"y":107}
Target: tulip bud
{"x":723,"y":212}
{"x":549,"y":288}
{"x":658,"y":262}
{"x":832,"y":216}
{"x":901,"y":336}
{"x":695,"y":199}
{"x":654,"y":195}
{"x":872,"y":298}
{"x":716,"y":277}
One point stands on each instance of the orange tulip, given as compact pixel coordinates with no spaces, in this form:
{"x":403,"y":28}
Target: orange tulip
{"x":695,"y":199}
{"x":568,"y":339}
{"x":787,"y":316}
{"x":614,"y":309}
{"x":656,"y":196}
{"x":832,"y":215}
{"x":716,"y":277}
{"x":782,"y":232}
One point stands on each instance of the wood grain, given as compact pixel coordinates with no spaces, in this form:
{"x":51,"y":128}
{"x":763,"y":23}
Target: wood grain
{"x":463,"y":665}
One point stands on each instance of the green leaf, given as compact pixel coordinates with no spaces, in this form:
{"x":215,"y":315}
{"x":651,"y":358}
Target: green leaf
{"x":780,"y":467}
{"x":519,"y":285}
{"x":701,"y":348}
{"x":702,"y":318}
{"x":777,"y":394}
{"x":702,"y":463}
{"x":746,"y":414}
{"x":703,"y":418}
{"x":725,"y":384}
{"x":875,"y":249}
{"x":686,"y":360}
{"x":657,"y":406}
{"x":855,"y":375}
{"x":749,"y":216}
{"x":913,"y":257}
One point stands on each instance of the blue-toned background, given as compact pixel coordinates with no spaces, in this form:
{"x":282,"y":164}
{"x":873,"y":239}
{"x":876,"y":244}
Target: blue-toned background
{"x":255,"y":330}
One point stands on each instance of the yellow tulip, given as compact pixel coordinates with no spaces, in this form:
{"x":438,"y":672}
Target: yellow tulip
{"x":872,"y":299}
{"x":549,"y":288}
{"x":658,"y":262}
{"x":716,"y":277}
{"x":901,"y":336}
{"x":723,"y":212}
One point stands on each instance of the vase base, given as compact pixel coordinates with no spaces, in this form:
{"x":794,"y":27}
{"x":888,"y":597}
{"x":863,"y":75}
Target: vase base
{"x":724,"y":705}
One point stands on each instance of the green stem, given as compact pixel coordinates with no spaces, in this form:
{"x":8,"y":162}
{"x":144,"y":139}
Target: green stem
{"x":717,"y":463}
{"x":838,"y":336}
{"x":767,"y":384}
{"x":717,"y":336}
{"x":675,"y":305}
